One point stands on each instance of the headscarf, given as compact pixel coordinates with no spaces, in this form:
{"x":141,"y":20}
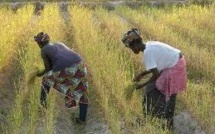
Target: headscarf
{"x":42,"y":37}
{"x":131,"y":35}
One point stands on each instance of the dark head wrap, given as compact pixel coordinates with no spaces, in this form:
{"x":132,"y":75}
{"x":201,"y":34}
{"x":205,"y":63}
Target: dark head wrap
{"x":42,"y":37}
{"x":131,"y":35}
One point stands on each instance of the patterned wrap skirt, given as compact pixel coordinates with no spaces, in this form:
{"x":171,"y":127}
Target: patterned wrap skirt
{"x":71,"y":82}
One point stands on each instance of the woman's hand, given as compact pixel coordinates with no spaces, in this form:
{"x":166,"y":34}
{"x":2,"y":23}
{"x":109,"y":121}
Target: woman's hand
{"x":137,"y":77}
{"x":40,"y":73}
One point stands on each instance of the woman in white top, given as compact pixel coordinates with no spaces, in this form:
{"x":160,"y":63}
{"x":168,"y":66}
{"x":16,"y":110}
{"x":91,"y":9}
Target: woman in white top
{"x":168,"y":68}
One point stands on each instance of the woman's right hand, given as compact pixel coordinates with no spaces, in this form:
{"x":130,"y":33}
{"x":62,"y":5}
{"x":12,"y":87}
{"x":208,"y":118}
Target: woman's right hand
{"x":137,"y":78}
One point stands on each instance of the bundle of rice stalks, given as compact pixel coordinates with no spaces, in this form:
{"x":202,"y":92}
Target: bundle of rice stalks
{"x":129,"y":90}
{"x":32,"y":77}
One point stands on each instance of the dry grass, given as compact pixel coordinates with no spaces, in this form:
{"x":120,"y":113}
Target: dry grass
{"x":155,"y":29}
{"x":97,"y":36}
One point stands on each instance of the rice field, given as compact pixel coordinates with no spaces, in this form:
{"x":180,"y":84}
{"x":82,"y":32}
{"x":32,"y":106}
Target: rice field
{"x":96,"y":34}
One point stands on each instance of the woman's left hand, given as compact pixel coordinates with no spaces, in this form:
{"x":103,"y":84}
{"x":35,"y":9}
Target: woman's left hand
{"x":137,"y":78}
{"x":40,"y":73}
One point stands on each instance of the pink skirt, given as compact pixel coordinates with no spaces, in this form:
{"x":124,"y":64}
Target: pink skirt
{"x":173,"y":80}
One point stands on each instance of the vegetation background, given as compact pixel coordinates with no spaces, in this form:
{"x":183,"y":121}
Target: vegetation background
{"x":95,"y":32}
